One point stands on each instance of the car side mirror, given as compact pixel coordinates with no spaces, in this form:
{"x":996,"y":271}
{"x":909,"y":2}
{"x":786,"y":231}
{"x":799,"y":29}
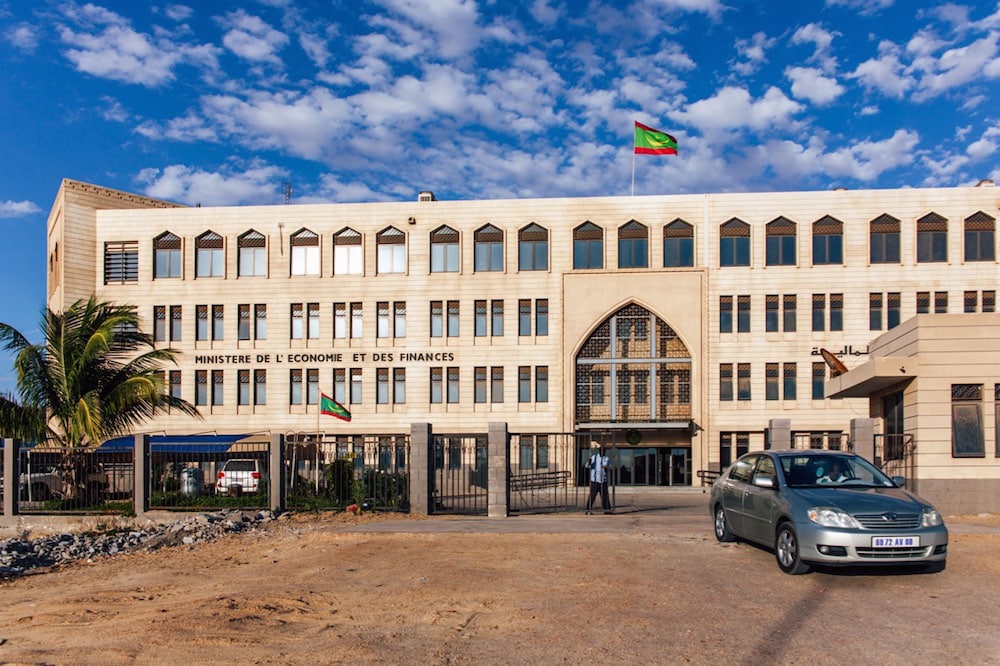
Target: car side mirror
{"x":763,"y":481}
{"x":899,"y":481}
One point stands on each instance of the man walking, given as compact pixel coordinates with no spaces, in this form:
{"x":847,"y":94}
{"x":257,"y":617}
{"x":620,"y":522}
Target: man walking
{"x":598,"y":466}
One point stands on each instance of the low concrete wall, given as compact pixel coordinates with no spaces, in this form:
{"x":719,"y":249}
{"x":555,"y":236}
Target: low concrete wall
{"x":961,"y":496}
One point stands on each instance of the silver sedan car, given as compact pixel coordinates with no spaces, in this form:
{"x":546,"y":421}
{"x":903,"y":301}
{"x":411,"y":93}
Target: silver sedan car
{"x":825,"y":507}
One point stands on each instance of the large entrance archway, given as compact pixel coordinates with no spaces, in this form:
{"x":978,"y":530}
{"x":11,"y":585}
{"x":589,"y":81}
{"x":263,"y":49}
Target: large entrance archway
{"x":633,"y":391}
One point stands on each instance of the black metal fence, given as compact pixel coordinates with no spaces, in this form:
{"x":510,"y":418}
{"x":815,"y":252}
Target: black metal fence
{"x":55,"y":480}
{"x":367,"y":472}
{"x":542,"y":473}
{"x":894,"y":454}
{"x":195,"y":477}
{"x":460,"y":481}
{"x":827,"y":440}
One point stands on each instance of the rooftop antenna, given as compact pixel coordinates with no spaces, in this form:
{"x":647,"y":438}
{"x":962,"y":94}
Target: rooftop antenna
{"x":287,"y":189}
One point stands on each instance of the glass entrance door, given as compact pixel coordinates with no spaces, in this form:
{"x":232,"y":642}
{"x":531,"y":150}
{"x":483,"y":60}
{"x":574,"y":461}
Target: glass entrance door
{"x":651,"y":466}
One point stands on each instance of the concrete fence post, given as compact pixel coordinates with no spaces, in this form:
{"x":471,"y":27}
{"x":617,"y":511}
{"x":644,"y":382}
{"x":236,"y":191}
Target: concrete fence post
{"x":140,"y":475}
{"x":276,"y":467}
{"x":498,"y":457}
{"x":780,"y":433}
{"x":11,"y":480}
{"x":420,"y":469}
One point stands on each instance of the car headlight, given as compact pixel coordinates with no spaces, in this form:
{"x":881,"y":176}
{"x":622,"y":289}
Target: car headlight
{"x":831,"y":517}
{"x":931,"y":518}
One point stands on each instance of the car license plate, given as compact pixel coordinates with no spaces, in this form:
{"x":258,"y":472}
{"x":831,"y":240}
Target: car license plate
{"x":895,"y":542}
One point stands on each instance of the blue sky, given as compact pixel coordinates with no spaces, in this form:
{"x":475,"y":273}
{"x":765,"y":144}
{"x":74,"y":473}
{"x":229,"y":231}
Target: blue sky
{"x":222,"y":102}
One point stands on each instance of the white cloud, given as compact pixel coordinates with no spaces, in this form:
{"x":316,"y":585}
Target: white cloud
{"x":822,"y":39}
{"x":258,"y":184}
{"x":867,"y":160}
{"x":752,"y":53}
{"x":251,"y":38}
{"x":712,"y":8}
{"x":956,"y":67}
{"x":863,"y":7}
{"x":810,"y":84}
{"x":178,"y":12}
{"x":454,"y":24}
{"x":18,"y":208}
{"x":22,"y":36}
{"x":885,"y":74}
{"x":732,"y":108}
{"x":542,"y":12}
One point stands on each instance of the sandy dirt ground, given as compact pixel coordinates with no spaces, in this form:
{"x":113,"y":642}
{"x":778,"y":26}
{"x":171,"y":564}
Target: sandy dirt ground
{"x":638,"y":588}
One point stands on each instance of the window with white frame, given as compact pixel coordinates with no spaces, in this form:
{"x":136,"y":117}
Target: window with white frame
{"x":252,"y":251}
{"x":348,"y":253}
{"x":305,"y":252}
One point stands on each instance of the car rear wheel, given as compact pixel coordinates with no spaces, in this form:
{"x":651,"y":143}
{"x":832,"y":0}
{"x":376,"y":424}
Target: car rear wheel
{"x":787,"y":552}
{"x":722,"y":531}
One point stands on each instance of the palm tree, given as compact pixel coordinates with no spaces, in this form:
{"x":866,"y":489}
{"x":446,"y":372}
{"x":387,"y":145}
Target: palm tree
{"x":96,"y":376}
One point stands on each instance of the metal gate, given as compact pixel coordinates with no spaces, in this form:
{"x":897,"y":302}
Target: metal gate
{"x":542,"y":473}
{"x":460,"y":481}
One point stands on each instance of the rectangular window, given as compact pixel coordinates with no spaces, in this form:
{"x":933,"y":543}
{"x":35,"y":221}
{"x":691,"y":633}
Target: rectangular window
{"x":356,"y":321}
{"x":453,"y":394}
{"x":312,"y":312}
{"x":437,"y":319}
{"x":885,"y":245}
{"x":382,"y":327}
{"x":771,"y":314}
{"x":175,"y":323}
{"x":159,"y":323}
{"x":243,"y":388}
{"x":940,"y":302}
{"x":312,"y":386}
{"x":734,"y":251}
{"x":923,"y":302}
{"x":260,"y":387}
{"x":789,"y":302}
{"x":496,"y":319}
{"x":932,"y":246}
{"x":356,"y":385}
{"x":453,"y":320}
{"x":399,"y":319}
{"x":725,"y":314}
{"x":479,"y":384}
{"x":260,"y":321}
{"x":340,"y":385}
{"x":295,"y":387}
{"x":542,"y":317}
{"x":496,"y":384}
{"x":524,"y":383}
{"x":382,"y":386}
{"x":121,"y":262}
{"x":399,"y":386}
{"x":218,"y":387}
{"x":340,"y":321}
{"x":175,"y":384}
{"x":743,"y":381}
{"x":970,"y":302}
{"x":743,"y":314}
{"x":524,"y":317}
{"x":437,"y":385}
{"x":979,"y":242}
{"x":297,"y":321}
{"x":893,"y":309}
{"x":967,"y":421}
{"x":201,"y":388}
{"x":542,"y":383}
{"x":791,"y":392}
{"x":819,"y":312}
{"x":836,"y":312}
{"x":828,"y":249}
{"x":480,"y":315}
{"x":989,"y":301}
{"x":201,"y":322}
{"x":875,"y":312}
{"x":818,"y":380}
{"x":243,"y":321}
{"x":218,"y":322}
{"x":726,"y":382}
{"x":771,"y":379}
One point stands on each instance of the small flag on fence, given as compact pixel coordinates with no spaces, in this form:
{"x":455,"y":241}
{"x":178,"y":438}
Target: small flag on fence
{"x":331,"y":407}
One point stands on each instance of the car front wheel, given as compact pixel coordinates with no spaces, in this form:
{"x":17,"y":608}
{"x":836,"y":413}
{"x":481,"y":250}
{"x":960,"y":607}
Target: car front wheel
{"x":787,"y":552}
{"x":722,"y":531}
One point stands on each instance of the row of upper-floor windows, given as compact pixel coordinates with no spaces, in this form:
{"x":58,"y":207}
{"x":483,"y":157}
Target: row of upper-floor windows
{"x":121,"y":259}
{"x":780,"y":381}
{"x":827,"y":310}
{"x":304,"y":385}
{"x":444,"y":319}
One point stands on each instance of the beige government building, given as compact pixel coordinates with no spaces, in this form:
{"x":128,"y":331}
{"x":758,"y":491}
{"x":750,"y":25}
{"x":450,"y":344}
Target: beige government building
{"x":683,"y":330}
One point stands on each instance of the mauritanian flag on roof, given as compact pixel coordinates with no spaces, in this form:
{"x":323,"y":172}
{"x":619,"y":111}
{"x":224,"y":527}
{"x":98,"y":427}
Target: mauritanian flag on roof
{"x":649,"y":141}
{"x":331,"y":407}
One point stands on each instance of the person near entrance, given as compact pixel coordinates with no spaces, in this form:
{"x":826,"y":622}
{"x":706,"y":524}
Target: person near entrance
{"x":598,"y":466}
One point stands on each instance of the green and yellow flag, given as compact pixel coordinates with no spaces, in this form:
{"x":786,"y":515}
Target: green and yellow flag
{"x":649,"y":141}
{"x":331,"y":407}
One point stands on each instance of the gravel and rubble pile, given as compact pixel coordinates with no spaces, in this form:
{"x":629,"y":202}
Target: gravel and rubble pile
{"x":19,"y":556}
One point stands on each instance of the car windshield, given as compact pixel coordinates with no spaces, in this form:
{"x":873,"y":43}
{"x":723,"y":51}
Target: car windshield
{"x":240,"y":466}
{"x":832,"y":471}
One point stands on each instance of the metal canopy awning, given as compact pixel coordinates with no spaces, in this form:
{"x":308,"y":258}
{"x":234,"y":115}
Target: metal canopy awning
{"x":177,"y":443}
{"x":874,"y":376}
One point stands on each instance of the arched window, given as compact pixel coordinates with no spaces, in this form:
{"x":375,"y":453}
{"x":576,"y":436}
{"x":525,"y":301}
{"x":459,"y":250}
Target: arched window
{"x":391,"y":251}
{"x":678,"y":244}
{"x":489,"y":249}
{"x":444,"y":250}
{"x":932,"y":238}
{"x":252,"y":250}
{"x":734,"y":243}
{"x":883,"y":233}
{"x":348,"y":253}
{"x":781,"y":238}
{"x":588,"y":246}
{"x":828,"y":241}
{"x":980,"y":239}
{"x":633,"y":245}
{"x":210,"y":258}
{"x":167,"y":261}
{"x":305,"y":252}
{"x":533,"y":248}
